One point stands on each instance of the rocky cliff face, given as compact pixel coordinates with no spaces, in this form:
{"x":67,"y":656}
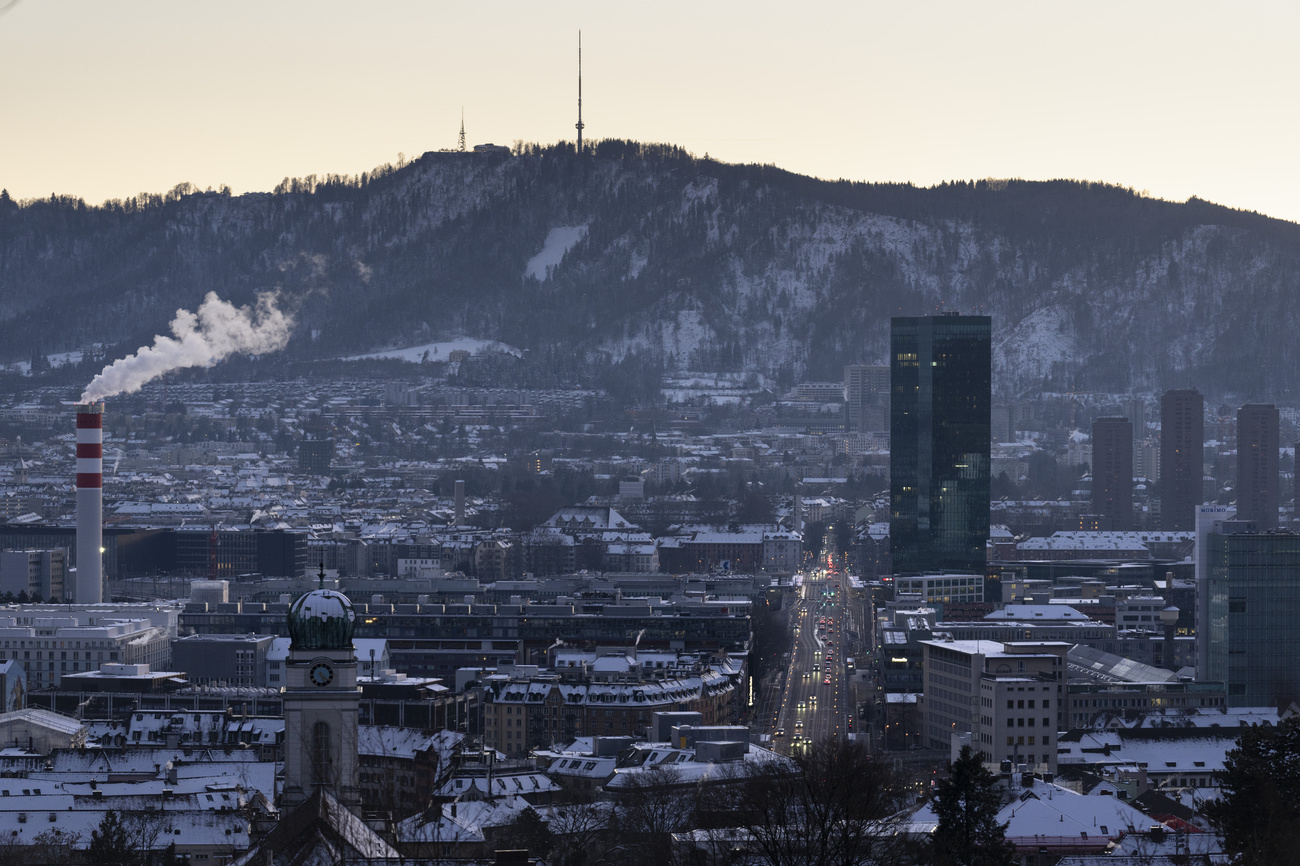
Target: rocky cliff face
{"x":643,"y":255}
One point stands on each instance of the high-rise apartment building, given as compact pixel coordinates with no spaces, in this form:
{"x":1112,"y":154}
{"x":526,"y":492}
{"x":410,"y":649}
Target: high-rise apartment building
{"x":866,"y":398}
{"x":940,"y":401}
{"x":1182,"y":440}
{"x":1257,"y":465}
{"x":1112,"y":471}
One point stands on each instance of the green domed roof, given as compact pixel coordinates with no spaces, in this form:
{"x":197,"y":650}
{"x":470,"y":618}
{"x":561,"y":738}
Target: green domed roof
{"x":321,"y":619}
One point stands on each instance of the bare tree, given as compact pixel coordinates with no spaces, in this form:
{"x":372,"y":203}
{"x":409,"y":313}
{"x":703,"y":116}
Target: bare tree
{"x":581,"y":832}
{"x":655,"y":803}
{"x":54,"y":848}
{"x":834,"y":804}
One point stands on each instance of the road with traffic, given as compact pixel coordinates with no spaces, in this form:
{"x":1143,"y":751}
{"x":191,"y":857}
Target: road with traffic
{"x":815,"y":702}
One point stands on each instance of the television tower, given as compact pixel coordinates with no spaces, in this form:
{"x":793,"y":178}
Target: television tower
{"x":462,"y":131}
{"x":579,"y":123}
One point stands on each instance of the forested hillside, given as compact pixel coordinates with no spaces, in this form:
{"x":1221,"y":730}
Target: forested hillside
{"x":640,"y":259}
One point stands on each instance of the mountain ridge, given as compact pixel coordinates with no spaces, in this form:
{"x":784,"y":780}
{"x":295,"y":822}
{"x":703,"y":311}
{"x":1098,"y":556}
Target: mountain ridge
{"x":684,"y":264}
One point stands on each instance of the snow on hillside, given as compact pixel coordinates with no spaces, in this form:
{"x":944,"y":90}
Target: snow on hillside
{"x":559,"y":241}
{"x":58,"y":359}
{"x":1029,"y":350}
{"x":438,"y":351}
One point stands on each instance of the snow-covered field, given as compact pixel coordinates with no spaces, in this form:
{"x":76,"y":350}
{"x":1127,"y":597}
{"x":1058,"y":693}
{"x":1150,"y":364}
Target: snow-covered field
{"x":58,"y":359}
{"x":559,"y":241}
{"x":438,"y":351}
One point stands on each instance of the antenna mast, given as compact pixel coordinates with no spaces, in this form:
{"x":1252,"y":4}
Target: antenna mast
{"x":462,"y":131}
{"x":579,"y":124}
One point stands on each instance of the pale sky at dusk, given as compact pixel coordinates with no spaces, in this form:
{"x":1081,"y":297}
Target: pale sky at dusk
{"x":106,"y":99}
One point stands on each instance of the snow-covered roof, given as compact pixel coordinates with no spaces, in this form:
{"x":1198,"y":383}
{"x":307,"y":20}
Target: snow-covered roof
{"x":685,"y":766}
{"x":1200,"y":754}
{"x":1047,"y":811}
{"x":1035,"y":612}
{"x":383,"y":741}
{"x":45,"y":719}
{"x":500,"y":785}
{"x":1103,"y":541}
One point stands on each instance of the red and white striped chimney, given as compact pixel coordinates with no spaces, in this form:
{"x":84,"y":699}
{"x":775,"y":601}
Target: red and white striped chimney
{"x":90,"y":503}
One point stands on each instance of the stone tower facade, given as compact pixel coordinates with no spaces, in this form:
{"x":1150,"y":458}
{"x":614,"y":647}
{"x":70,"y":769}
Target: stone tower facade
{"x":321,"y":697}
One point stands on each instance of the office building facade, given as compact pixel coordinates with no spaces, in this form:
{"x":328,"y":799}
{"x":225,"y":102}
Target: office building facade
{"x":1009,"y":698}
{"x":1257,"y":465}
{"x":223,"y":659}
{"x":1250,"y":598}
{"x":1112,"y":471}
{"x":940,"y":404}
{"x":38,"y":573}
{"x":1182,"y":442}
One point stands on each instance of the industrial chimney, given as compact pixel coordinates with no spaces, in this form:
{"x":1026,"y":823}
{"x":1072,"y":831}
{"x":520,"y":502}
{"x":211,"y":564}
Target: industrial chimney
{"x":460,"y":503}
{"x":90,"y":503}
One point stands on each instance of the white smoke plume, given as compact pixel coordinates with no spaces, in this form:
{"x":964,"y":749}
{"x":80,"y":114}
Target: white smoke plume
{"x":219,"y":329}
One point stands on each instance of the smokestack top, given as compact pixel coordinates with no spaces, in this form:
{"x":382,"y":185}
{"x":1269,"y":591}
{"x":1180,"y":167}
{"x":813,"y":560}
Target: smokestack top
{"x":95,"y":407}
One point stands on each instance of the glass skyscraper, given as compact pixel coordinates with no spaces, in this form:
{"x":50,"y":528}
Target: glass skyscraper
{"x":1252,"y":604}
{"x":939,"y":433}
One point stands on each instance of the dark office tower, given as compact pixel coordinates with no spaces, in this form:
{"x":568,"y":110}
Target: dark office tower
{"x":1257,"y":465}
{"x":1112,"y":471}
{"x":940,"y":383}
{"x":1182,"y":439}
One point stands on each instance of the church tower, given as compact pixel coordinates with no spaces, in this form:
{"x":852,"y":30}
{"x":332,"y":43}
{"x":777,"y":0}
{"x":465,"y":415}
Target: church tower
{"x":320,"y":700}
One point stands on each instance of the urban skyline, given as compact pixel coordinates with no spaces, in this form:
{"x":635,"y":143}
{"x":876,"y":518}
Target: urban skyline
{"x":589,"y":435}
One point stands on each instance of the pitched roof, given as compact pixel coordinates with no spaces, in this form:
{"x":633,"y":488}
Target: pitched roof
{"x":321,"y":830}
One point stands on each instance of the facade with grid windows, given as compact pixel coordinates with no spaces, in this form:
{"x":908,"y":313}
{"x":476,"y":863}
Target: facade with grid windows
{"x":519,"y":715}
{"x":943,"y":588}
{"x":1251,"y":600}
{"x":1112,"y":472}
{"x":1258,"y":465}
{"x":1009,"y":698}
{"x":1182,"y":456}
{"x":50,"y":647}
{"x":224,"y":659}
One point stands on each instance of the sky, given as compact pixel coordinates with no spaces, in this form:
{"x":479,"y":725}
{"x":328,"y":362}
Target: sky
{"x":107,"y":99}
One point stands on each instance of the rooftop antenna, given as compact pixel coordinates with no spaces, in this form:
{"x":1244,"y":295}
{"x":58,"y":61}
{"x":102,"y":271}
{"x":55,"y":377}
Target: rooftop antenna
{"x":579,"y":125}
{"x":461,"y":148}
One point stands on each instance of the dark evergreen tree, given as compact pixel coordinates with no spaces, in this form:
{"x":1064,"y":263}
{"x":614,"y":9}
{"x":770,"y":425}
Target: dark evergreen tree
{"x":1258,"y":812}
{"x":967,"y":804}
{"x":755,"y":507}
{"x":110,"y":843}
{"x":528,"y":831}
{"x":814,"y":533}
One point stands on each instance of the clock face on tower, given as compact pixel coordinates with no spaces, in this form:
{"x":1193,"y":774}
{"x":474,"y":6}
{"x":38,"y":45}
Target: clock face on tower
{"x":321,"y":674}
